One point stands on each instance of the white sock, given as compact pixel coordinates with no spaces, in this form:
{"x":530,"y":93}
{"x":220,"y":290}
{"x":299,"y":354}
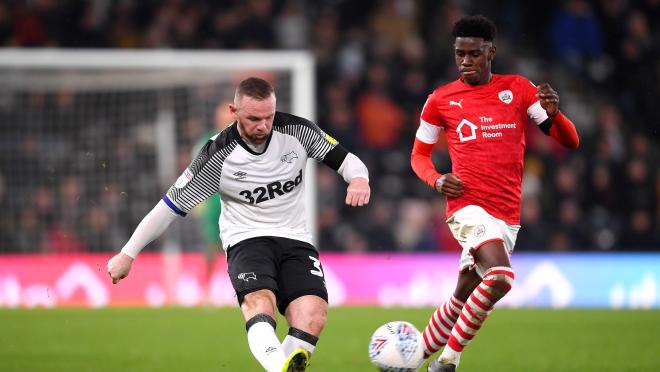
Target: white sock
{"x":450,"y":356}
{"x":266,"y":347}
{"x":291,"y":343}
{"x":299,"y":338}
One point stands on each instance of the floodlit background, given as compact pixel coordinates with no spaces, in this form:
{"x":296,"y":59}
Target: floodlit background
{"x":75,"y":173}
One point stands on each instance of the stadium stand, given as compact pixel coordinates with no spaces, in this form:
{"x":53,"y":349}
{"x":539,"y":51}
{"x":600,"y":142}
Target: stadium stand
{"x":376,"y":63}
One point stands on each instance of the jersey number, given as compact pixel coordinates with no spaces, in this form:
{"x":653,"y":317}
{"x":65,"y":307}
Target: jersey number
{"x":260,"y":193}
{"x":317,"y":265}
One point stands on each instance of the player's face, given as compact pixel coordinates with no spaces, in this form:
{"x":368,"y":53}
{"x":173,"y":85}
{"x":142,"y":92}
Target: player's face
{"x":254,"y":118}
{"x":473,"y":58}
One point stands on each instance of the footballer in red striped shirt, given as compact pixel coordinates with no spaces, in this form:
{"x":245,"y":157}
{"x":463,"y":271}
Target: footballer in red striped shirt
{"x":485,"y":118}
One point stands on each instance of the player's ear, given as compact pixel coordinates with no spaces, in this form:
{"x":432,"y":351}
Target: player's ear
{"x":491,"y":52}
{"x":233,"y":110}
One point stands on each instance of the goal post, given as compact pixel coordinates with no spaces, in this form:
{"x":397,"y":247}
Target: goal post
{"x":89,"y":120}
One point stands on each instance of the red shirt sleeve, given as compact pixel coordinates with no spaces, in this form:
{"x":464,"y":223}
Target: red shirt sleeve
{"x":563,"y":131}
{"x":528,"y":91}
{"x":421,"y":162}
{"x":430,"y":112}
{"x":420,"y":158}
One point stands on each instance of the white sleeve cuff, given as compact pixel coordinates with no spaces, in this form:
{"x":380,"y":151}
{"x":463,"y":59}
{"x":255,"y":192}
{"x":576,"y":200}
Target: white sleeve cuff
{"x":428,"y":133}
{"x":151,"y":227}
{"x":353,"y":167}
{"x":536,"y":113}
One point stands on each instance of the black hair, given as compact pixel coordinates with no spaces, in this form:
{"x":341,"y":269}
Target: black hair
{"x":255,"y":87}
{"x":475,"y":26}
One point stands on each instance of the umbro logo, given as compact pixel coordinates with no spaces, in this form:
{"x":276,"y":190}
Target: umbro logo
{"x":240,"y":175}
{"x":454,"y":103}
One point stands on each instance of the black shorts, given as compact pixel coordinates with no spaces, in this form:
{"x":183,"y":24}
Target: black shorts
{"x":290,"y":268}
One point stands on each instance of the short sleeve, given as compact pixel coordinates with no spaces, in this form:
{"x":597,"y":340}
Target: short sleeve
{"x":429,"y":122}
{"x":430,"y":112}
{"x":199,"y":180}
{"x":316,"y":142}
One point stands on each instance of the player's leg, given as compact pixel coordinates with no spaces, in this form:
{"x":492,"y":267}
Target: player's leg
{"x":493,"y":259}
{"x":306,"y":316}
{"x":487,"y":244}
{"x":252,"y":270}
{"x":303,"y":298}
{"x":437,"y":331}
{"x":258,"y":309}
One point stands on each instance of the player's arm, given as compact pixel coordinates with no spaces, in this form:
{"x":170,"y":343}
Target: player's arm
{"x":150,"y":228}
{"x":420,"y":160}
{"x":193,"y":186}
{"x":354,"y":172}
{"x":326,"y":149}
{"x":557,"y":126}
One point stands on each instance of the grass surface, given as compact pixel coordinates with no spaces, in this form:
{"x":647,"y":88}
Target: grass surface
{"x":211,"y":339}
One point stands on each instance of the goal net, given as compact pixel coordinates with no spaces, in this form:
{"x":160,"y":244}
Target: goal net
{"x":91,"y":139}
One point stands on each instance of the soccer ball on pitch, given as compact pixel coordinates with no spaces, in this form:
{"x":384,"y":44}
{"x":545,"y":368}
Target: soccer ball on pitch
{"x":397,"y":347}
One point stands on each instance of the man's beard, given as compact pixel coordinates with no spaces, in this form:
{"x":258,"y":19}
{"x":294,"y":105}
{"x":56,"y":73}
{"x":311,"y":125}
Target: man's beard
{"x":255,"y":139}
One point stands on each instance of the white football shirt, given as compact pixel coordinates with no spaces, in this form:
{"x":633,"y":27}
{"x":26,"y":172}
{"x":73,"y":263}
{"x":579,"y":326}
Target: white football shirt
{"x":261,"y":193}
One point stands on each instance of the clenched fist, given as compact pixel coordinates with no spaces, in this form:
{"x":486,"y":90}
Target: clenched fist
{"x":450,"y":185}
{"x":119,"y":266}
{"x":549,"y":98}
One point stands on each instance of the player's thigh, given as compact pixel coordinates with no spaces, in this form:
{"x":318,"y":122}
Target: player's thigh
{"x":491,"y":254}
{"x":301,"y":274}
{"x":475,"y":228}
{"x":498,"y":253}
{"x":252,"y":265}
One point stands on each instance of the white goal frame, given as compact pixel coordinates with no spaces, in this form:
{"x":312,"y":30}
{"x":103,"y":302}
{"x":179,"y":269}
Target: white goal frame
{"x":299,"y":63}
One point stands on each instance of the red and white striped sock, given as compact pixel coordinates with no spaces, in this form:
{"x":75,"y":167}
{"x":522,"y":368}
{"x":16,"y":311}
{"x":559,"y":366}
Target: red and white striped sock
{"x":496,"y":283}
{"x":439,"y":328}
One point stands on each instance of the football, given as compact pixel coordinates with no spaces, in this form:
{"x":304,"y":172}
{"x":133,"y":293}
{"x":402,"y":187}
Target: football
{"x":396,"y":346}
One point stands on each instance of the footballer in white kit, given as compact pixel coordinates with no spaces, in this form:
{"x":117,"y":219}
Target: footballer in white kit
{"x":257,"y":165}
{"x":262,"y":200}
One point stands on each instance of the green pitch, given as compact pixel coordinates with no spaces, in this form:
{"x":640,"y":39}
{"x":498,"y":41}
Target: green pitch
{"x":209,"y":339}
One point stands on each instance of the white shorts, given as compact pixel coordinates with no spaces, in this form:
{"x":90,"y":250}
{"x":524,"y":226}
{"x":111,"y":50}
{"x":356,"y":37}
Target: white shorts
{"x":473,"y":227}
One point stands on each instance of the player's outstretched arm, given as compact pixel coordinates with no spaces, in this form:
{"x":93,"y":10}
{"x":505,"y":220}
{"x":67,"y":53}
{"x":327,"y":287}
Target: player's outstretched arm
{"x":151,"y":227}
{"x":557,"y":126}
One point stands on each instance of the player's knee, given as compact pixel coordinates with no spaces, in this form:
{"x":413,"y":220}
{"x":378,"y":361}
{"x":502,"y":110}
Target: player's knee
{"x":499,"y":279}
{"x":314,"y":320}
{"x":318,"y":319}
{"x":311,"y":319}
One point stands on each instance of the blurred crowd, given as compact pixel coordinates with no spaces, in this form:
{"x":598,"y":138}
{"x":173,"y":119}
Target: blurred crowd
{"x":376,"y":62}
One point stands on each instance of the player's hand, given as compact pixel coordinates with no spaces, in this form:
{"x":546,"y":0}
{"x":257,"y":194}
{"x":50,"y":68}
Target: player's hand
{"x":548,"y":98}
{"x":450,"y":185}
{"x":119,"y":266}
{"x":358,"y":192}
